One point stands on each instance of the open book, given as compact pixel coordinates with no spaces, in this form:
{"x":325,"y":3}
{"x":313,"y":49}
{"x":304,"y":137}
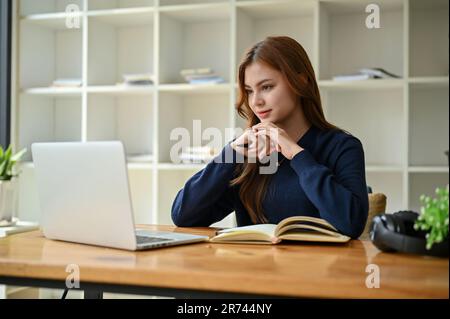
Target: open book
{"x":300,"y":228}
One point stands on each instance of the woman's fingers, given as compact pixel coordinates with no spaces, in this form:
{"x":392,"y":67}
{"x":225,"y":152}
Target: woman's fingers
{"x":264,"y":124}
{"x":270,"y":145}
{"x":263,"y":146}
{"x":258,"y":143}
{"x":243,"y":142}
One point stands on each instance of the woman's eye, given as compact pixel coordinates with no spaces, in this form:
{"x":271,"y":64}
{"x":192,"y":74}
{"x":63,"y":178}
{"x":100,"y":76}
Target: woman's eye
{"x":249,"y":92}
{"x":267,"y":87}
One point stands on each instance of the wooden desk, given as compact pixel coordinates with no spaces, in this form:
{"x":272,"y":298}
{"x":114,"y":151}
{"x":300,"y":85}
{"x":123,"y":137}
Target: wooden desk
{"x":224,"y":270}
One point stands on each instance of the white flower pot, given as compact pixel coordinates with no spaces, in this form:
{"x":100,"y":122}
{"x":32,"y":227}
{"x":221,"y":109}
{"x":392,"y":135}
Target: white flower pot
{"x":8,"y":200}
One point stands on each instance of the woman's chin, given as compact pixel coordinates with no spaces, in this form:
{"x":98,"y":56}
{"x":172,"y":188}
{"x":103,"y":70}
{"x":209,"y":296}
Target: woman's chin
{"x":266,"y":119}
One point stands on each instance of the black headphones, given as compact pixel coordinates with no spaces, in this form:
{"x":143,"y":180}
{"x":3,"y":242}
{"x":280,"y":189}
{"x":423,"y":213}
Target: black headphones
{"x":395,"y":232}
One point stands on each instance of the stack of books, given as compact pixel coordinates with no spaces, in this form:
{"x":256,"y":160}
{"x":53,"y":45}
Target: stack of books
{"x":201,"y":76}
{"x":198,"y":155}
{"x":366,"y":74}
{"x":67,"y":83}
{"x":139,"y":79}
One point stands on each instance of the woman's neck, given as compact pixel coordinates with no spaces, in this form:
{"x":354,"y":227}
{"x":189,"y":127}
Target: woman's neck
{"x":296,"y":124}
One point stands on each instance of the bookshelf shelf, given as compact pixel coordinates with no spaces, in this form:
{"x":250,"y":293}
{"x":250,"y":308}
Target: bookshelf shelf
{"x":124,"y":17}
{"x":140,"y":166}
{"x":119,"y":90}
{"x":180,"y":167}
{"x":55,"y":21}
{"x":97,"y":5}
{"x":424,"y":81}
{"x":374,"y":84}
{"x":403,"y":123}
{"x":384,"y":169}
{"x":54,"y":91}
{"x":33,"y":7}
{"x":207,"y":11}
{"x":195,"y":88}
{"x":428,"y":169}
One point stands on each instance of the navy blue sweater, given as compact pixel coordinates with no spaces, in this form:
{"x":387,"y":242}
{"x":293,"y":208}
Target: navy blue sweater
{"x":326,"y":180}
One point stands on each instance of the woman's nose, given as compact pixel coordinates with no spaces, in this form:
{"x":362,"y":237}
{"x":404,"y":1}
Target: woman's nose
{"x":257,"y":100}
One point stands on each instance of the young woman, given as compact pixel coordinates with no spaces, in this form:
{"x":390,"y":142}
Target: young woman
{"x":321,"y":170}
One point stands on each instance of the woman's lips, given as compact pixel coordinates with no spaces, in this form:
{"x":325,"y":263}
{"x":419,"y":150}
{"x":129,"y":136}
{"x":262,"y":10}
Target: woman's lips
{"x":264,"y":114}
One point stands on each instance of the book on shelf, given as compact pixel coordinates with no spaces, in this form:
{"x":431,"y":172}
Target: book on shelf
{"x":296,"y":228}
{"x":201,"y":150}
{"x":378,"y":73}
{"x":198,"y":154}
{"x":198,"y":71}
{"x":67,"y":83}
{"x":139,"y":79}
{"x":366,"y":74}
{"x":201,"y":76}
{"x":351,"y":77}
{"x":207,"y":80}
{"x":18,"y":227}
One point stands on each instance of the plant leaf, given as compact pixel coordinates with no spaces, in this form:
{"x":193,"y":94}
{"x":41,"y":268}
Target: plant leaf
{"x":18,"y":155}
{"x":8,"y":153}
{"x":2,"y":169}
{"x":9,"y":169}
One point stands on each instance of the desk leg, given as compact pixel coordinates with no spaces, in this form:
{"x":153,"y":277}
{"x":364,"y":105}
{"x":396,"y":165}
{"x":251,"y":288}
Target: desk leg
{"x":93,"y":294}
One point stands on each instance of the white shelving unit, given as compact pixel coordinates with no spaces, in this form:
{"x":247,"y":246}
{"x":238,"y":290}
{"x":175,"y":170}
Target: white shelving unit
{"x":403,"y":123}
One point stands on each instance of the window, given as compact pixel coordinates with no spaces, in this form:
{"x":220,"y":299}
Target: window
{"x":5,"y":71}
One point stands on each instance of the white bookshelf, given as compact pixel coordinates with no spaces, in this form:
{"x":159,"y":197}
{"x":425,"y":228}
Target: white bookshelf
{"x":403,"y":123}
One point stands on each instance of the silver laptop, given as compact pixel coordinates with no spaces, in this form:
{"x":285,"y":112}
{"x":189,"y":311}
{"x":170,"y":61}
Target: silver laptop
{"x":85,"y":198}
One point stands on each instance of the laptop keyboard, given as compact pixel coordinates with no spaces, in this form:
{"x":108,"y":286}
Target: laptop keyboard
{"x":149,"y":240}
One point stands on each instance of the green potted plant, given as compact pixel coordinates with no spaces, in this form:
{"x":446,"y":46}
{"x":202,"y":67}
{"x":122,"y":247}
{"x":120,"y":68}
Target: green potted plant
{"x":8,"y":184}
{"x":433,"y":217}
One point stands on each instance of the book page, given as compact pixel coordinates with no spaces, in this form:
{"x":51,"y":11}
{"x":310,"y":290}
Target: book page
{"x":315,"y":237}
{"x":268,"y":229}
{"x":310,"y":232}
{"x":261,"y":232}
{"x":304,"y":220}
{"x":305,"y":228}
{"x":244,"y":237}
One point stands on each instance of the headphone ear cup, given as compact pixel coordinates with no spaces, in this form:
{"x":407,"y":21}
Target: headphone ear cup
{"x":378,"y":231}
{"x":389,"y":222}
{"x":399,"y":224}
{"x":407,"y":219}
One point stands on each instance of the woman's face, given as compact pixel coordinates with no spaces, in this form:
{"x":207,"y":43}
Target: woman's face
{"x":269,"y":95}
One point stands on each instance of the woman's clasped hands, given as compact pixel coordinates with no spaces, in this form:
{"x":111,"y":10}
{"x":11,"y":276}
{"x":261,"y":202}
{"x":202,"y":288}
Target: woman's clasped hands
{"x":263,"y":139}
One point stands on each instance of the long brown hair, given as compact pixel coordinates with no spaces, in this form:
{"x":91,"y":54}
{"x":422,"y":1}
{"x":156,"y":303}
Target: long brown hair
{"x":288,"y":57}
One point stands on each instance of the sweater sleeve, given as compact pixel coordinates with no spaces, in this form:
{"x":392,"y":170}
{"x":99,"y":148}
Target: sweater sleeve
{"x":207,"y":197}
{"x":341,"y":197}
